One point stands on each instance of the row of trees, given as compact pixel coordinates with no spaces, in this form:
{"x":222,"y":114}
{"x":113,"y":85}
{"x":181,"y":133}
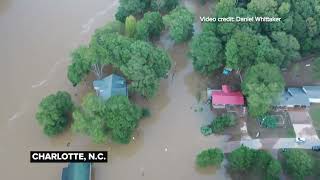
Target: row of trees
{"x":244,"y":159}
{"x":138,"y":7}
{"x":258,"y":46}
{"x":116,"y":118}
{"x":296,"y":163}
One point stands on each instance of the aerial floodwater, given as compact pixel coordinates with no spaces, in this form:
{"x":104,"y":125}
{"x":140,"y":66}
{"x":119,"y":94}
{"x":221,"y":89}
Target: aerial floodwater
{"x":37,"y":37}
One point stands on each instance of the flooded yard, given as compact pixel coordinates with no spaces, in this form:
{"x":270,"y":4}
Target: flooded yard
{"x":37,"y":38}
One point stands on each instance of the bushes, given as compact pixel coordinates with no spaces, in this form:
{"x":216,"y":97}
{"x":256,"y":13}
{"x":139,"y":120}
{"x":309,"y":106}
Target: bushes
{"x":209,"y":157}
{"x":244,"y":159}
{"x":218,"y":125}
{"x":222,"y":122}
{"x":298,"y":163}
{"x":268,"y":121}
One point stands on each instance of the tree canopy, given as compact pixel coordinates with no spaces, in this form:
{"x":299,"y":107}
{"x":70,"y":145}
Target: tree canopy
{"x":210,"y":157}
{"x":131,"y":7}
{"x":180,"y":23}
{"x":298,"y":163}
{"x":142,"y":63}
{"x":206,"y":51}
{"x":244,"y":159}
{"x":53,"y":112}
{"x":122,"y":118}
{"x":241,"y":159}
{"x":97,"y":118}
{"x":149,"y":26}
{"x":262,"y":84}
{"x":240,"y":50}
{"x":145,"y":66}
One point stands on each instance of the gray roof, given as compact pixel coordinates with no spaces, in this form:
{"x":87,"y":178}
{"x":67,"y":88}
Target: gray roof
{"x":111,"y":85}
{"x":312,"y":91}
{"x":292,"y":97}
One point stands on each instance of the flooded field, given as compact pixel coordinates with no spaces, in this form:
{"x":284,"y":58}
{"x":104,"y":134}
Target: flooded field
{"x":36,"y":40}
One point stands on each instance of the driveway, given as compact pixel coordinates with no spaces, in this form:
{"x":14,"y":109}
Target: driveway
{"x":302,"y":124}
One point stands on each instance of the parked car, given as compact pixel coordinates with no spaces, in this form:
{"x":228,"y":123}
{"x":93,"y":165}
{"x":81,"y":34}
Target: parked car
{"x":300,"y":140}
{"x":315,"y":148}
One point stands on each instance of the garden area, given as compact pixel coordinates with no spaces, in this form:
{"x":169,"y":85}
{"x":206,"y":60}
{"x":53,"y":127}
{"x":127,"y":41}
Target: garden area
{"x":276,"y":125}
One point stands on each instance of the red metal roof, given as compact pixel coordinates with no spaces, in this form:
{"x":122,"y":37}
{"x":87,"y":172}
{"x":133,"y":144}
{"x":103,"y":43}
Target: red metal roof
{"x":226,"y":97}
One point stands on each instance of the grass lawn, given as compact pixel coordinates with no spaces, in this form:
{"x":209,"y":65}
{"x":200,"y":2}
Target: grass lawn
{"x":315,"y":115}
{"x":285,"y":131}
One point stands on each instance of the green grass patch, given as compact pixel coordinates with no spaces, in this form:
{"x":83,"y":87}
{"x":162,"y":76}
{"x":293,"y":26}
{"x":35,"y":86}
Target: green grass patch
{"x":315,"y":114}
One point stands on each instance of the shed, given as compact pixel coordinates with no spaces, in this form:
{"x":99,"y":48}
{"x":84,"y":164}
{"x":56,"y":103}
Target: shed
{"x":77,"y":171}
{"x":111,"y":85}
{"x":226,"y":97}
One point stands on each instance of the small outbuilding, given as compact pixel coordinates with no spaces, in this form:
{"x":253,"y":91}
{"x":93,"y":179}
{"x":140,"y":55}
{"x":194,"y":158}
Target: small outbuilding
{"x":77,"y":171}
{"x":111,"y":85}
{"x":226,"y":97}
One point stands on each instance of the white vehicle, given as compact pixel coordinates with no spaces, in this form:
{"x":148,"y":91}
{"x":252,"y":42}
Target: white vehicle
{"x":300,"y":140}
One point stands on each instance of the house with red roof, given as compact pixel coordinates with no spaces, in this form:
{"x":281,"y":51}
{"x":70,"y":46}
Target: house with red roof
{"x":226,"y":97}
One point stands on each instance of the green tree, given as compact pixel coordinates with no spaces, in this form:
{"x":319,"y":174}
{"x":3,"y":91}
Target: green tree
{"x":97,"y":118}
{"x":284,"y":9}
{"x":180,"y":23}
{"x":240,"y":50}
{"x":210,"y":157}
{"x":145,"y":66}
{"x":224,"y":7}
{"x":91,"y":119}
{"x":130,"y":7}
{"x":80,"y":65}
{"x":267,"y":53}
{"x":163,"y":6}
{"x":149,"y":26}
{"x":53,"y":112}
{"x":130,"y":26}
{"x":298,"y":163}
{"x":262,"y":160}
{"x":206,"y":52}
{"x":273,"y":170}
{"x":316,"y":68}
{"x":287,"y":44}
{"x":262,"y":85}
{"x":262,"y":7}
{"x":122,"y":118}
{"x":242,"y":159}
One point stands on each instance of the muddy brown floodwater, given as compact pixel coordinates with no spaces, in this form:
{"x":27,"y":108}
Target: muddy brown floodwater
{"x":36,"y":39}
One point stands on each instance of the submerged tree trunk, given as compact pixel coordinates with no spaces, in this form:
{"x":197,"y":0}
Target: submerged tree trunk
{"x":97,"y":69}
